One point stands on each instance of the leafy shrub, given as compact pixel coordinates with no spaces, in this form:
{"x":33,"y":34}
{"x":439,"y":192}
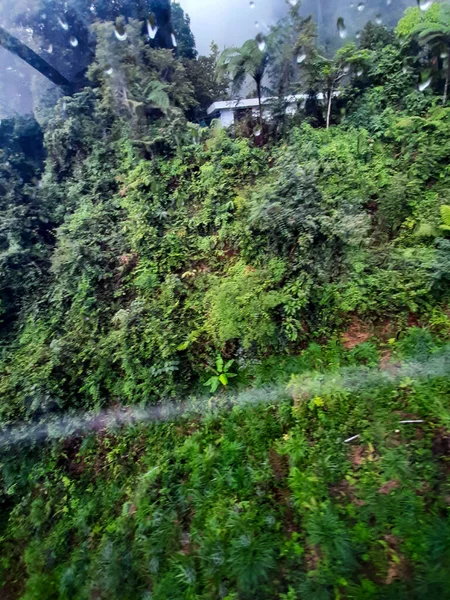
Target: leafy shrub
{"x":241,"y":306}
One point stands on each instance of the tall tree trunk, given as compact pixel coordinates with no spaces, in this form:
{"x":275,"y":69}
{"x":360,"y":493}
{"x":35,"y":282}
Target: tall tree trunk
{"x":447,"y":77}
{"x":258,"y":91}
{"x":330,"y":98}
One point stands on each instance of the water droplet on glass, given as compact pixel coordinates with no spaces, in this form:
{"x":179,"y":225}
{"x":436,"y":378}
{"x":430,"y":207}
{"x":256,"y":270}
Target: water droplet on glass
{"x":424,"y":4}
{"x":301,"y":57}
{"x":361,"y":6}
{"x":63,"y":24}
{"x":378,"y":19}
{"x":444,"y":55}
{"x":73,"y":41}
{"x":404,"y":70}
{"x":120,"y":33}
{"x":293,"y":2}
{"x":359,"y":72}
{"x":342,"y":29}
{"x":357,"y":35}
{"x":92,"y":8}
{"x":151,"y":29}
{"x":50,"y":48}
{"x":346,"y":69}
{"x":388,"y":2}
{"x":257,"y":131}
{"x":252,"y":4}
{"x":423,"y":86}
{"x":352,"y":5}
{"x":256,"y":24}
{"x":174,"y":40}
{"x":261,"y":41}
{"x":44,"y":16}
{"x":109,"y":71}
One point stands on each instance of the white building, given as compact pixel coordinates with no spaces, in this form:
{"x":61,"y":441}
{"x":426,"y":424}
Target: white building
{"x":228,"y":110}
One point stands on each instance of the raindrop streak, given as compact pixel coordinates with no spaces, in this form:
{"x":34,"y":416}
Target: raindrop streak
{"x":357,"y":35}
{"x":174,"y":40}
{"x":342,"y":29}
{"x":73,"y":41}
{"x":424,"y":4}
{"x":120,"y":36}
{"x":378,"y":19}
{"x":444,"y":55}
{"x":109,"y":71}
{"x":359,"y":72}
{"x":261,"y":41}
{"x":252,"y":4}
{"x":50,"y":48}
{"x":63,"y":24}
{"x":293,"y":2}
{"x":256,"y":24}
{"x":361,"y":6}
{"x":423,"y":86}
{"x":257,"y":132}
{"x":300,"y":57}
{"x":151,"y":30}
{"x":388,"y":2}
{"x":346,"y":69}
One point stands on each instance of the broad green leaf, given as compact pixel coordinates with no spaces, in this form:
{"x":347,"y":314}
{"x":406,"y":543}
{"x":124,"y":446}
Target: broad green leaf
{"x":219,"y":364}
{"x":223,"y":379}
{"x":228,"y":365}
{"x":215,"y":384}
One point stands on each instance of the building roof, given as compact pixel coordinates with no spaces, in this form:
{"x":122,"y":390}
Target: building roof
{"x":248,"y":103}
{"x":223,"y":105}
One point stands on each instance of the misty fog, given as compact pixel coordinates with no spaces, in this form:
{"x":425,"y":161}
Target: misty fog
{"x":231,"y":22}
{"x":227,"y":22}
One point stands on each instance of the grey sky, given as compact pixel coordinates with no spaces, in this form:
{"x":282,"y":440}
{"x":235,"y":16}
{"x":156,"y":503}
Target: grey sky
{"x":230,"y":22}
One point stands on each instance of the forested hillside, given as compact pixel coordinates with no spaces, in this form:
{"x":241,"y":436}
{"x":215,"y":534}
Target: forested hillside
{"x":225,"y":353}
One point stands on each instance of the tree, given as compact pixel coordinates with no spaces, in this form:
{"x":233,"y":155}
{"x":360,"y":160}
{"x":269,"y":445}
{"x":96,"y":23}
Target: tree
{"x":290,"y":44}
{"x":431,"y":29}
{"x":208,"y":84}
{"x":182,"y":28}
{"x":332,"y":72}
{"x":25,"y":222}
{"x":146,"y":89}
{"x":247,"y":61}
{"x":138,"y":81}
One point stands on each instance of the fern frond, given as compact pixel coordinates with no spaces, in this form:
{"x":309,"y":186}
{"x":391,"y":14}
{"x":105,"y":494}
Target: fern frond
{"x":445,"y":216}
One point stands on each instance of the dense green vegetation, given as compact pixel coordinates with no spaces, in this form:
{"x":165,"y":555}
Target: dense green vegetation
{"x":290,"y":279}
